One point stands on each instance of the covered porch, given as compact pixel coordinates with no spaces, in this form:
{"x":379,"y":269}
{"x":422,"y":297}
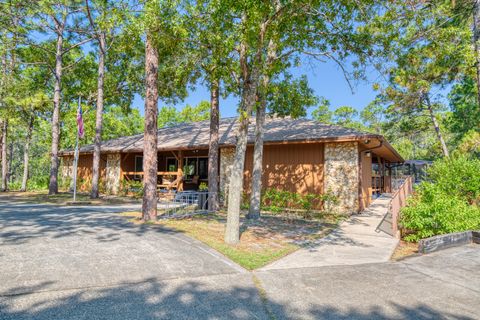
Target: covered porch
{"x":178,"y":170}
{"x":377,"y":163}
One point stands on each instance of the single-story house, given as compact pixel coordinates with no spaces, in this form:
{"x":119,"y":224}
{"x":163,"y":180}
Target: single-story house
{"x":300,"y":155}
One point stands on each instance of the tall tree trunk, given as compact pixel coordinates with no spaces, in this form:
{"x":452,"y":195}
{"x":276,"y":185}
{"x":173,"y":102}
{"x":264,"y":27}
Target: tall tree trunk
{"x":235,"y":188}
{"x":99,"y":117}
{"x":26,"y":153}
{"x":10,"y":174}
{"x":213,"y":146}
{"x":437,"y":127}
{"x":255,"y":197}
{"x":53,"y":184}
{"x":250,"y":74}
{"x":4,"y":156}
{"x":149,"y":208}
{"x":1,"y":142}
{"x":476,"y":43}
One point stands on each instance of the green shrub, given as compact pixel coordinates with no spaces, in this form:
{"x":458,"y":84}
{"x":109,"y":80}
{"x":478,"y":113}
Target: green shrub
{"x":38,"y":183}
{"x":458,"y":176}
{"x":203,"y":187}
{"x":447,"y":202}
{"x":14,"y":186}
{"x":131,"y":187}
{"x":278,"y":201}
{"x":64,"y":183}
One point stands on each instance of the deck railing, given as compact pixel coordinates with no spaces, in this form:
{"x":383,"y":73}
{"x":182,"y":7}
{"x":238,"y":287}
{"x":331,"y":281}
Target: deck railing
{"x":399,"y":200}
{"x":183,"y":204}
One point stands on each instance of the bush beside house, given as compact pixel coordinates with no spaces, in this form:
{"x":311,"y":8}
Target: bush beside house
{"x":448,"y":201}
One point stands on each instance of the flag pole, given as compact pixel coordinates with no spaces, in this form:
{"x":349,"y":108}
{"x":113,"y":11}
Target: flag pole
{"x":76,"y":161}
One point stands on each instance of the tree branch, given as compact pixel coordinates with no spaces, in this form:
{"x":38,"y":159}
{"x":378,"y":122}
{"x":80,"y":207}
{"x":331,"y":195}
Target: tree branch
{"x":77,"y":45}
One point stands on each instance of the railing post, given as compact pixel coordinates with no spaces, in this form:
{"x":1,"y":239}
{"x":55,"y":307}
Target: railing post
{"x":398,"y":201}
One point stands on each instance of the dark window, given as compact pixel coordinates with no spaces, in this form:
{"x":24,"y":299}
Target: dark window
{"x":172,"y":164}
{"x":203,"y":168}
{"x":138,"y":163}
{"x":195,"y":167}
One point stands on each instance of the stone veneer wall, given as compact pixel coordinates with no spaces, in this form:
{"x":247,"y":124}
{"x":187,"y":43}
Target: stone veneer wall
{"x":66,"y":169}
{"x":341,"y":175}
{"x":226,"y":162}
{"x":112,"y":173}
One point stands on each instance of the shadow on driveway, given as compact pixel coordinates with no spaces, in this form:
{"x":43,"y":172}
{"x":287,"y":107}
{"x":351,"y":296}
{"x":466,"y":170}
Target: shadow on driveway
{"x":215,"y":297}
{"x":23,"y":222}
{"x":71,"y":248}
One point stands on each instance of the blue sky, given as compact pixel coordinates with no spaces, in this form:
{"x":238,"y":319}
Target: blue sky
{"x":325,"y":78}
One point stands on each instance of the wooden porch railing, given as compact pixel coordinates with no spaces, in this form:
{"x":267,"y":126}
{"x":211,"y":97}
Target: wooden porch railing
{"x":399,"y":200}
{"x":174,"y":184}
{"x":159,"y":173}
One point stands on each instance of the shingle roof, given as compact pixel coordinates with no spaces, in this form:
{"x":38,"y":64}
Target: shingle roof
{"x":196,"y":135}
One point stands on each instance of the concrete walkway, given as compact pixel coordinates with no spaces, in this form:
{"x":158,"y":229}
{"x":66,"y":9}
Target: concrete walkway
{"x":356,"y":241}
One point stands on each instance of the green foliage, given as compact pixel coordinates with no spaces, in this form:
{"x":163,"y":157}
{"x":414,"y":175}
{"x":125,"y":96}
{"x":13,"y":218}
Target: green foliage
{"x":344,"y":116}
{"x":37,"y":183}
{"x":448,"y":202}
{"x":465,"y":115}
{"x":470,"y":144}
{"x":290,"y":97}
{"x":203,"y":187}
{"x":423,"y":50}
{"x":372,"y":116}
{"x":322,"y":113}
{"x":169,"y":116}
{"x":131,"y":188}
{"x":116,"y":123}
{"x":279,"y":201}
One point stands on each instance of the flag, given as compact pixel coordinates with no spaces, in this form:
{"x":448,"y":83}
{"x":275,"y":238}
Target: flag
{"x":81,"y":133}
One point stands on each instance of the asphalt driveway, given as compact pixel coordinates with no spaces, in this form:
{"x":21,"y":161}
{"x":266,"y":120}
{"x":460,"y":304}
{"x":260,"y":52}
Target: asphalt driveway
{"x":441,"y":285}
{"x":47,"y":247}
{"x":89,"y":263}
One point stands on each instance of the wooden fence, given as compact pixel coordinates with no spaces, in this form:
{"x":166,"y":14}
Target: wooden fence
{"x":399,"y":200}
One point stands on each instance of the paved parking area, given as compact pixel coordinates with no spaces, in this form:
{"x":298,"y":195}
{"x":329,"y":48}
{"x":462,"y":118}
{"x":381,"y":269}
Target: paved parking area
{"x":89,"y":263}
{"x":46,"y":247}
{"x":442,"y":285}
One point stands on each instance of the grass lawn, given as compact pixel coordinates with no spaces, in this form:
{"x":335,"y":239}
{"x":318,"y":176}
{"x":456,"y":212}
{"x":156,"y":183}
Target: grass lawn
{"x":62,"y":198}
{"x":261,"y":241}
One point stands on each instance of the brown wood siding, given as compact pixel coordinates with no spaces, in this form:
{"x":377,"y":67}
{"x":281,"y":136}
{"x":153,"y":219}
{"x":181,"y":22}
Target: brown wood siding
{"x":291,"y":167}
{"x":84,"y":171}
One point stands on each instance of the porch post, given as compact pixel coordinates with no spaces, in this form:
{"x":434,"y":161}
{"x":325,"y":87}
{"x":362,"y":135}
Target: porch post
{"x":180,"y":170}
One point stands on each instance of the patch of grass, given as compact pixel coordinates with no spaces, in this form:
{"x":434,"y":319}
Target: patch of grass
{"x":261,"y":242}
